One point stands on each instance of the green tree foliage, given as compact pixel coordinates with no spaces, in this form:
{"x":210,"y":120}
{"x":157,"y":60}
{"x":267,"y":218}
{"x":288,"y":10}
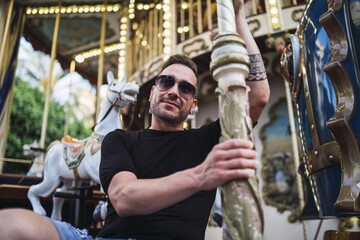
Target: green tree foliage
{"x":26,"y":121}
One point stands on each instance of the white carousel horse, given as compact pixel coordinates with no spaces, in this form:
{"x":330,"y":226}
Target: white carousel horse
{"x":73,"y":160}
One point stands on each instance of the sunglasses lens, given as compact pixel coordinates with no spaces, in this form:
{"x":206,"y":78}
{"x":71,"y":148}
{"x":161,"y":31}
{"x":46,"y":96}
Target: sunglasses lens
{"x":187,"y":90}
{"x":164,"y":83}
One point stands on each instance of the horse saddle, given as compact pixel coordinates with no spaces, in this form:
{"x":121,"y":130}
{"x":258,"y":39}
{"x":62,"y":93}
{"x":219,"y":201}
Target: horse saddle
{"x":73,"y":151}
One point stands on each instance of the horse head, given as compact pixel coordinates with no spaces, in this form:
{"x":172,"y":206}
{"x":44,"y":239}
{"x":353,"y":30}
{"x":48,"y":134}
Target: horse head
{"x":121,"y":92}
{"x":32,"y":149}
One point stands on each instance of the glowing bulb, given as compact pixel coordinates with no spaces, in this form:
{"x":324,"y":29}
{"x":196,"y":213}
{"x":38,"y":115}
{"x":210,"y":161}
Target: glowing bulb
{"x":79,"y":59}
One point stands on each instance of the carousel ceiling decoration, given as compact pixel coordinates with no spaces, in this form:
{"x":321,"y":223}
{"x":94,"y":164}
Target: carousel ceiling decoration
{"x":80,"y":31}
{"x":142,"y":32}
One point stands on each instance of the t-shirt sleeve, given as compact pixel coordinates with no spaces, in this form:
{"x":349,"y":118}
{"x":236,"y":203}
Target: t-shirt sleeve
{"x":214,"y":131}
{"x":115,"y":157}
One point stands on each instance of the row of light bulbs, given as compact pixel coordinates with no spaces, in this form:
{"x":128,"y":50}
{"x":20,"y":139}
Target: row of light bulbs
{"x":93,"y":9}
{"x":96,"y":8}
{"x":274,"y":14}
{"x":96,"y":52}
{"x":73,"y":9}
{"x":122,"y":46}
{"x":167,"y":24}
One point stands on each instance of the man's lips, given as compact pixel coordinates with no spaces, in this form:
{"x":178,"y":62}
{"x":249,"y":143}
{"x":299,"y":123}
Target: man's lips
{"x":169,"y":102}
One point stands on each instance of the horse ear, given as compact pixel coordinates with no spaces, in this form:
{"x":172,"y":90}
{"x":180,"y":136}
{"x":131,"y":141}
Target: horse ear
{"x":124,"y":79}
{"x":110,"y":77}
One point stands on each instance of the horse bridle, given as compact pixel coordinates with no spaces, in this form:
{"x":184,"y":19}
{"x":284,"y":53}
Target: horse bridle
{"x":112,"y":104}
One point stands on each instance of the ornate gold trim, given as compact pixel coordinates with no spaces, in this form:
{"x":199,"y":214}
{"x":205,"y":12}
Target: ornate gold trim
{"x":290,"y":64}
{"x":335,"y":5}
{"x":296,"y":14}
{"x":254,"y":25}
{"x":337,"y":36}
{"x":335,"y":235}
{"x":348,"y":199}
{"x":324,"y":156}
{"x":189,"y":47}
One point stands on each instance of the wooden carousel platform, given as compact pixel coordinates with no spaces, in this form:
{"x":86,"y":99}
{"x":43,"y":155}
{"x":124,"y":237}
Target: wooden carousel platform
{"x":13,"y":191}
{"x":77,"y":210}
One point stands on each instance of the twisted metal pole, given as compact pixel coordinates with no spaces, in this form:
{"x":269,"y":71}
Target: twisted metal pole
{"x":229,"y":65}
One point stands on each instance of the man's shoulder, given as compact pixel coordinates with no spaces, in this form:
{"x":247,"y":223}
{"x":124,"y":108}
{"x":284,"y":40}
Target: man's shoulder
{"x":122,"y":134}
{"x":120,"y":131}
{"x":211,"y":125}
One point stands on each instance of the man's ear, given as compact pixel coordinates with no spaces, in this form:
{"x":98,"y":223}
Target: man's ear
{"x":194,"y":107}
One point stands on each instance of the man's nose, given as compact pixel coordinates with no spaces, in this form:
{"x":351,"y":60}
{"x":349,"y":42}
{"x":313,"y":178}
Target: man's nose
{"x":174,"y":90}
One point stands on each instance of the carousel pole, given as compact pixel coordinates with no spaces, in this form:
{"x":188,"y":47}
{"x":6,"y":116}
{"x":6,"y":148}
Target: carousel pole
{"x":5,"y":115}
{"x":101,"y":61}
{"x":50,"y":83}
{"x":67,"y":119}
{"x":4,"y":39}
{"x":230,"y":66}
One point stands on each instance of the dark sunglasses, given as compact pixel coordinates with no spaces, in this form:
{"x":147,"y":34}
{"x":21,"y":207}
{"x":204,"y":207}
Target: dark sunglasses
{"x":165,"y":82}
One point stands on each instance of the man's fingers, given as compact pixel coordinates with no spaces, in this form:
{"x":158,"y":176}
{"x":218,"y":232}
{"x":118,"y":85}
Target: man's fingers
{"x":240,"y":173}
{"x":239,"y":163}
{"x":239,"y":153}
{"x":235,"y":143}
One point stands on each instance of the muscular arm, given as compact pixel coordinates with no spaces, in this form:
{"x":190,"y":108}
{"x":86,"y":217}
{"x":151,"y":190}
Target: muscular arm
{"x":229,"y":160}
{"x":257,"y":80}
{"x":132,"y":196}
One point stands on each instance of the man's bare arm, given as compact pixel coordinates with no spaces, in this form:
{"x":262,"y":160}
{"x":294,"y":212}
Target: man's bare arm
{"x":257,"y":80}
{"x":232,"y":159}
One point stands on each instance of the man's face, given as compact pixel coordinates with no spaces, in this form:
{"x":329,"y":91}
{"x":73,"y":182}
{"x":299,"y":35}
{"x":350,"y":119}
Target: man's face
{"x":169,"y":105}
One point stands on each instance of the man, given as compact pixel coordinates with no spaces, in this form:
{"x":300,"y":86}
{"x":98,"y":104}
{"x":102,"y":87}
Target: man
{"x":161,"y":181}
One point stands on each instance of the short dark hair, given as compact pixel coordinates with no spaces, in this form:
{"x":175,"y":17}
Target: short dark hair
{"x":184,"y":60}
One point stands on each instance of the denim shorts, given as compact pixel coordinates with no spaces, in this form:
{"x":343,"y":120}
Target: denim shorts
{"x":67,"y":232}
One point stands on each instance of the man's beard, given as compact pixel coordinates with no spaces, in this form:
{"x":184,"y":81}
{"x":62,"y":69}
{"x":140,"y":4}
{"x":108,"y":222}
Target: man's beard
{"x":166,"y":117}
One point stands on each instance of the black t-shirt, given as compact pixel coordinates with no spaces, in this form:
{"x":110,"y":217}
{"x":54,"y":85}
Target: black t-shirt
{"x":153,"y":154}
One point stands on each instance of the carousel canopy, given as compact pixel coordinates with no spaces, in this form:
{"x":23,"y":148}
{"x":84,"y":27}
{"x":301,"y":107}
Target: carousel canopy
{"x":79,"y":31}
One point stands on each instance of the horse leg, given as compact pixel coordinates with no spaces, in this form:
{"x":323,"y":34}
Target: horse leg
{"x":50,"y":182}
{"x":58,"y":203}
{"x":42,"y":190}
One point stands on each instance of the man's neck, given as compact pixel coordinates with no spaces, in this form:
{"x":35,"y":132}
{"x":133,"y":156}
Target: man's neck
{"x":159,"y":125}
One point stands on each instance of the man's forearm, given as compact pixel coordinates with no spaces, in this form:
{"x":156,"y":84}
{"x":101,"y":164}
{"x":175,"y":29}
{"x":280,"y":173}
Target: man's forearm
{"x":228,"y":160}
{"x":257,"y":79}
{"x":243,"y":30}
{"x":145,"y":196}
